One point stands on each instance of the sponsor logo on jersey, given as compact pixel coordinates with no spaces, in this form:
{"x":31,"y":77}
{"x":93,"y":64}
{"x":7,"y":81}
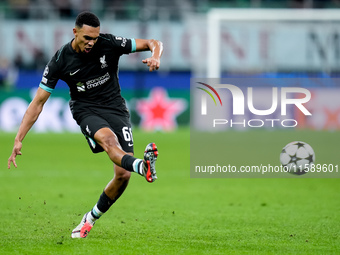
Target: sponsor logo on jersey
{"x":103,"y":62}
{"x":93,"y":83}
{"x":124,"y":42}
{"x":44,"y":80}
{"x":80,"y":87}
{"x":119,"y":38}
{"x":98,"y":81}
{"x":46,"y":71}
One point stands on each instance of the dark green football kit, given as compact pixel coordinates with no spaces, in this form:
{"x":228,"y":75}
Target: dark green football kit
{"x":96,"y":100}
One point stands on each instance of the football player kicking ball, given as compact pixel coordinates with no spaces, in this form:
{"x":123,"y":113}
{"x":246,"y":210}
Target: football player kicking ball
{"x":89,"y":65}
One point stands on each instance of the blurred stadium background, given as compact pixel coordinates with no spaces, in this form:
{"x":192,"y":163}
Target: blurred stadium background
{"x":189,"y":215}
{"x":32,"y":30}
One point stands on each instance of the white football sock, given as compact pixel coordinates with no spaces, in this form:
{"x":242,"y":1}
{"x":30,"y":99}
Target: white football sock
{"x":95,"y":211}
{"x":138,"y":166}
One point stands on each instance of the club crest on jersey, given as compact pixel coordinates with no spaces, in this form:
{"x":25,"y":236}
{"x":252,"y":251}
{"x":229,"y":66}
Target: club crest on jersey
{"x":103,"y":62}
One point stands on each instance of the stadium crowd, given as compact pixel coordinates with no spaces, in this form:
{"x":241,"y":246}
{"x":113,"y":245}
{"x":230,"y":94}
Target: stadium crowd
{"x":140,"y":10}
{"x":137,"y":9}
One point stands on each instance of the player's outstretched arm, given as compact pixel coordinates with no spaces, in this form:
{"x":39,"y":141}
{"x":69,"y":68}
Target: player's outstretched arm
{"x":156,"y":47}
{"x":31,"y":115}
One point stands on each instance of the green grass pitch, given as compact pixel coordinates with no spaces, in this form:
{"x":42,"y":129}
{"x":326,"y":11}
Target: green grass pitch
{"x":58,"y":179}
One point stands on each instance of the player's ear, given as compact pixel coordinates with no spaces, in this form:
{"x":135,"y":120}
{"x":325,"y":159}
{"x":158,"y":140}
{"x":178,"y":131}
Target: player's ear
{"x":75,"y":31}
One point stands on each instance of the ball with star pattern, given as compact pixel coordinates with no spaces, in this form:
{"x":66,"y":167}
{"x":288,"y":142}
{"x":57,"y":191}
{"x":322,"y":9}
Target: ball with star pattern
{"x":297,"y":157}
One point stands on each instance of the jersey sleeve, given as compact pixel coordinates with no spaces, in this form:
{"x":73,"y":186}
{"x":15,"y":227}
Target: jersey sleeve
{"x":122,"y":44}
{"x":51,"y":75}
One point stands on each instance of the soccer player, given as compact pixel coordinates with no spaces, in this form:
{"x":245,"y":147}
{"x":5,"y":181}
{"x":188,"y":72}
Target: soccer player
{"x":89,"y":65}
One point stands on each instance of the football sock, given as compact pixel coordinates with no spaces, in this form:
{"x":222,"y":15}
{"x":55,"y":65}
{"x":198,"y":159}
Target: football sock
{"x":90,"y":216}
{"x":103,"y":204}
{"x":132,"y":164}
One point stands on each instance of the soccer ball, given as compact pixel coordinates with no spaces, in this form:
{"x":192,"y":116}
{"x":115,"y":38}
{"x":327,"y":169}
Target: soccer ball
{"x":297,"y":157}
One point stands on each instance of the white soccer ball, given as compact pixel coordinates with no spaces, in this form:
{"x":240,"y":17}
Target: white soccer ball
{"x":297,"y":157}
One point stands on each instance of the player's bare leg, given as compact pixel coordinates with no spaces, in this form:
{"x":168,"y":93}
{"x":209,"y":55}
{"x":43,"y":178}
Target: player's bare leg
{"x":115,"y":188}
{"x":107,"y":139}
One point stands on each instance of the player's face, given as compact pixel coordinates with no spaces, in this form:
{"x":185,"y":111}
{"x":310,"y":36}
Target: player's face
{"x":85,"y":38}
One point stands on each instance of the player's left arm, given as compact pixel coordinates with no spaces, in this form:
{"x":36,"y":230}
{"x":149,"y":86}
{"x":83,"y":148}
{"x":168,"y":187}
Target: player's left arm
{"x":156,"y":47}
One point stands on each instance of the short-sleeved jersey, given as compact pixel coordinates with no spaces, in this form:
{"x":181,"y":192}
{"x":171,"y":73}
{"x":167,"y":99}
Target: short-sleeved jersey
{"x":92,"y":77}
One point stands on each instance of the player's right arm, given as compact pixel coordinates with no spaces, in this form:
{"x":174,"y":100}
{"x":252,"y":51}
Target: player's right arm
{"x":31,"y":115}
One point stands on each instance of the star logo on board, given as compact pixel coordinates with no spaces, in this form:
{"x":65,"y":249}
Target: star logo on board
{"x":159,"y":111}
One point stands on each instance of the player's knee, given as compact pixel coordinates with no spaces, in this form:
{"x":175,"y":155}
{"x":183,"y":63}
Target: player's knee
{"x":108,"y":141}
{"x":123,"y":176}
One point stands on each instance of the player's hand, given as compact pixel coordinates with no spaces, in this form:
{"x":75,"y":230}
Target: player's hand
{"x":152,"y":63}
{"x":16,"y":151}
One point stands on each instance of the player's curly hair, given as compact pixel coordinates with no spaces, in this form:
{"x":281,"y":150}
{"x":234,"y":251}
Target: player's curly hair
{"x":87,"y":18}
